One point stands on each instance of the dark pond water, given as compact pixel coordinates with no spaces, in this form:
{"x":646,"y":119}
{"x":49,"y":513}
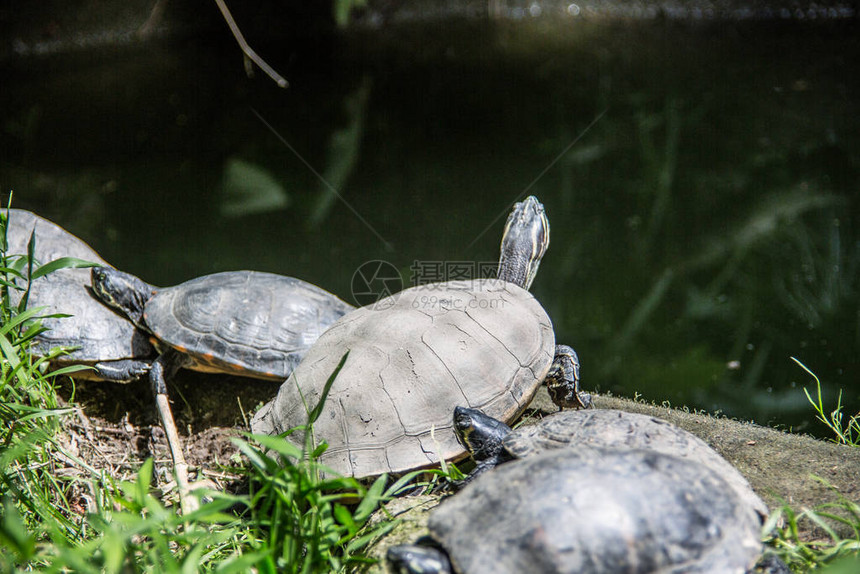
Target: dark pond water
{"x":701,"y":181}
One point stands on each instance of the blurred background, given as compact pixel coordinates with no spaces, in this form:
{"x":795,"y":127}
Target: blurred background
{"x":699,"y":163}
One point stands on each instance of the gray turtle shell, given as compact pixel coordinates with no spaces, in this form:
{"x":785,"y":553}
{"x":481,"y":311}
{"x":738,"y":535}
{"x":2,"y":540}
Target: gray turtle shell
{"x":596,"y":511}
{"x":412,"y":359}
{"x":100,"y":334}
{"x":244,"y":322}
{"x":619,"y":429}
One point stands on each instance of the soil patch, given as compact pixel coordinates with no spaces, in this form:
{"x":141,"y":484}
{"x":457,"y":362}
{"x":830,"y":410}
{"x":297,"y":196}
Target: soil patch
{"x":115,"y":428}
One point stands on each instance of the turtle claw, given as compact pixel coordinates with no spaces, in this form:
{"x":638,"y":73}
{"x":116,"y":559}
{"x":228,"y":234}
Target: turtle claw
{"x":562,"y":380}
{"x":585,"y":400}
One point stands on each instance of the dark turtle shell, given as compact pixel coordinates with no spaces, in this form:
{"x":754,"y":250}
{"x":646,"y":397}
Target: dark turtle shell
{"x":598,"y":511}
{"x":619,"y":429}
{"x":99,"y":334}
{"x":243,"y":322}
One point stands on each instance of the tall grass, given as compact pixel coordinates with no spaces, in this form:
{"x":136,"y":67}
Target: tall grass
{"x":803,"y":555}
{"x":30,"y":415}
{"x":845,"y":430}
{"x":304,"y":517}
{"x":837,"y":552}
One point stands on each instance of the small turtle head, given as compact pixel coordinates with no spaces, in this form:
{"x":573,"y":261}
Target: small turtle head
{"x":121,"y":291}
{"x":524,"y":242}
{"x":480,"y":434}
{"x":414,"y":559}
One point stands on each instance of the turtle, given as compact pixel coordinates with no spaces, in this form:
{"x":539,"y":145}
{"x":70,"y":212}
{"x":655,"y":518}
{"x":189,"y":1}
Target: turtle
{"x":590,"y":507}
{"x":491,"y":442}
{"x":247,"y":323}
{"x":115,"y":349}
{"x":417,"y":354}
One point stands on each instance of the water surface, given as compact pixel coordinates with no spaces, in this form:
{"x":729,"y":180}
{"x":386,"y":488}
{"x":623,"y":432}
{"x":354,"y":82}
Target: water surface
{"x":701,"y":180}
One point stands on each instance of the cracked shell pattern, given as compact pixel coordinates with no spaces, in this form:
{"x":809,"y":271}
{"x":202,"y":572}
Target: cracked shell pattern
{"x":485,"y":344}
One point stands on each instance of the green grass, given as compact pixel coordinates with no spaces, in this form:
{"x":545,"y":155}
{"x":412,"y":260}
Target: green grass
{"x":845,"y":431}
{"x":29,"y":418}
{"x":303,"y":517}
{"x":805,"y":555}
{"x":296,"y":518}
{"x":835,"y":553}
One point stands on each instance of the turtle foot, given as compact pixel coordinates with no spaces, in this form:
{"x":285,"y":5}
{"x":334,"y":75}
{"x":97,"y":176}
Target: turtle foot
{"x":562,"y":380}
{"x":122,"y":371}
{"x":585,"y":400}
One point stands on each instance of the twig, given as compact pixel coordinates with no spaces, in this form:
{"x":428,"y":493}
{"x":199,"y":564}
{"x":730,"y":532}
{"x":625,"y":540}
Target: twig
{"x":108,"y":430}
{"x":86,"y":425}
{"x":246,"y":49}
{"x":180,"y":467}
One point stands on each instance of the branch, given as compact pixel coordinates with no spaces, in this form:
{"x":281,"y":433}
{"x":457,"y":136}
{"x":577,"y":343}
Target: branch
{"x":246,"y":49}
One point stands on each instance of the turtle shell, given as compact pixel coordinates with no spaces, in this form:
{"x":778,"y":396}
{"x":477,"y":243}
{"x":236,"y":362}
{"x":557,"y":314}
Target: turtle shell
{"x":243,"y":322}
{"x":619,"y":429}
{"x":595,"y":511}
{"x":412,"y":358}
{"x":100,"y":334}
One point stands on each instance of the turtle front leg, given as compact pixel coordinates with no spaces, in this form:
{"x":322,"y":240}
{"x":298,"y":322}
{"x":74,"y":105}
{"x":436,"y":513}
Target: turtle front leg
{"x":562,"y":380}
{"x":165,"y":366}
{"x":122,"y":371}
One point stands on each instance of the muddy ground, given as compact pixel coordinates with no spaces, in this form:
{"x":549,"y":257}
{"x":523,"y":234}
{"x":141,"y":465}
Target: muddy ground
{"x":116,"y":427}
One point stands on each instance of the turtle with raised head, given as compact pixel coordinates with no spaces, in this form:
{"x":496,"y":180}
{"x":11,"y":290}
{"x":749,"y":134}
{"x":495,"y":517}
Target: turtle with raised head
{"x":611,"y":505}
{"x":415,"y":356}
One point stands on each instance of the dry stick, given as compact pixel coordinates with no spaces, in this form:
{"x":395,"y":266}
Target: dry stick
{"x":246,"y":49}
{"x":180,"y":467}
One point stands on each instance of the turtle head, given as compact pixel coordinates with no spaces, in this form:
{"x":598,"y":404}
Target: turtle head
{"x":524,"y":242}
{"x":414,"y":559}
{"x":482,"y":435}
{"x":121,"y":291}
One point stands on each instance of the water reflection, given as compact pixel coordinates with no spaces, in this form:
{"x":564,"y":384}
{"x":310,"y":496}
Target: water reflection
{"x":704,"y":229}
